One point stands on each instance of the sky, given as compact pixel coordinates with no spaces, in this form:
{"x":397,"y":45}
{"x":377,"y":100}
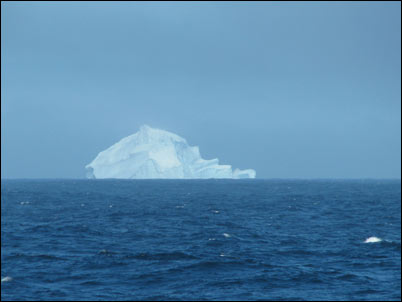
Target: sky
{"x":292,"y":90}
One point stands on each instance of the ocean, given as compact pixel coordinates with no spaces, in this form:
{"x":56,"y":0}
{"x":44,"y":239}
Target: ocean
{"x":200,"y":240}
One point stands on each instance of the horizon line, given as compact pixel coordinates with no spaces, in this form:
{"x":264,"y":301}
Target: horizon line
{"x":250,"y":179}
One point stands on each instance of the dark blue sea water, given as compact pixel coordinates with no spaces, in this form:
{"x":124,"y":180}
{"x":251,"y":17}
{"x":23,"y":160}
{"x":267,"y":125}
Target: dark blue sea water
{"x":200,"y":240}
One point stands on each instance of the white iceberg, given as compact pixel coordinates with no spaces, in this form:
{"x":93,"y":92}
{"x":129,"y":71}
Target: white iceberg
{"x":155,"y":153}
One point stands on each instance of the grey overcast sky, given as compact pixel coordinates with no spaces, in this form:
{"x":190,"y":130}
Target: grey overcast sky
{"x":293,"y":90}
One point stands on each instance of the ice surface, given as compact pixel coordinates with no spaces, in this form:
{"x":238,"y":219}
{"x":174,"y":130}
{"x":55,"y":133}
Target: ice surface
{"x":155,"y":153}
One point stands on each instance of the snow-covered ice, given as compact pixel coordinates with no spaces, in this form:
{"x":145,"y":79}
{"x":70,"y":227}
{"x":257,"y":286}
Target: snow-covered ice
{"x":155,"y":153}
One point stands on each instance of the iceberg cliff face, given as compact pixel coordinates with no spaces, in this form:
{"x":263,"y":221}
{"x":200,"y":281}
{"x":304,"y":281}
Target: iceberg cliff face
{"x":155,"y":153}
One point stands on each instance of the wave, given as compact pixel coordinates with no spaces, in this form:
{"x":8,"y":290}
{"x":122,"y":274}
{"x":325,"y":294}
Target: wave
{"x":162,"y":256}
{"x":37,"y":257}
{"x":373,"y":240}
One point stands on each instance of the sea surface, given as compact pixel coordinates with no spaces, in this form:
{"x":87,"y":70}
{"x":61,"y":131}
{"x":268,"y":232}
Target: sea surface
{"x":200,"y":240}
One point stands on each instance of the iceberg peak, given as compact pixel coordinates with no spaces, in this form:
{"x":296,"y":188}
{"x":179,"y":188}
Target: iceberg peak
{"x":146,"y":130}
{"x":156,"y":153}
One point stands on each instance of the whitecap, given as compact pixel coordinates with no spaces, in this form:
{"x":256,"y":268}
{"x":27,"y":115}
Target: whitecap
{"x":372,"y":240}
{"x":226,"y":235}
{"x":6,"y":279}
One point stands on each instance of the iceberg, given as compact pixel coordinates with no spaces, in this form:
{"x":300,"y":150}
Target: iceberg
{"x":156,"y":153}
